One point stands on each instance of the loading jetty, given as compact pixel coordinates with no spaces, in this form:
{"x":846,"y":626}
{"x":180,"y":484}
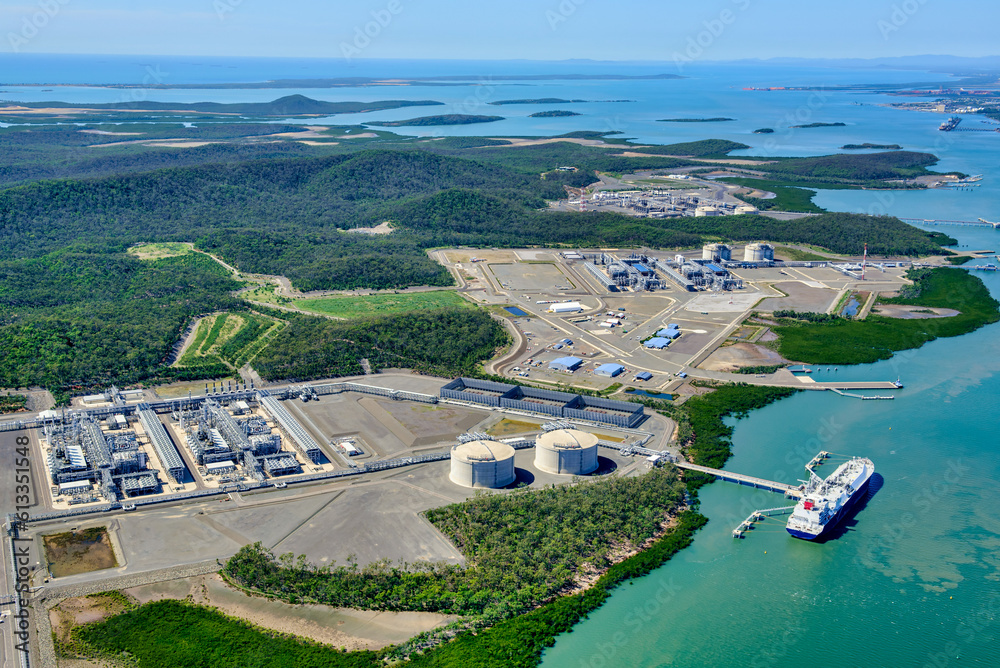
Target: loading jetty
{"x":758,"y":516}
{"x":866,"y":397}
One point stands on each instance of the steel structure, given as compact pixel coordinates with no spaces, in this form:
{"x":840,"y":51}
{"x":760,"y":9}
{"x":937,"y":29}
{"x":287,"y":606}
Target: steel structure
{"x":162,"y":445}
{"x":300,"y":437}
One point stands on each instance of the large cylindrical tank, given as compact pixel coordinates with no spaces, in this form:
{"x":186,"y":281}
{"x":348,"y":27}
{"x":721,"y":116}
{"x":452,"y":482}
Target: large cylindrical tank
{"x":566,"y":451}
{"x":758,"y":253}
{"x":482,"y":464}
{"x":716,"y":252}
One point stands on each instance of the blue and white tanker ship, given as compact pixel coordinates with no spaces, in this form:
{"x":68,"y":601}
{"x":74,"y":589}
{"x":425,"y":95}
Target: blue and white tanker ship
{"x":825,"y":503}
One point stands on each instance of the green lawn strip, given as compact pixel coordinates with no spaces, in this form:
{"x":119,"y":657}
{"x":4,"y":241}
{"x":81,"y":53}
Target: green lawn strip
{"x":199,"y":339}
{"x":382,"y":304}
{"x":799,"y":255}
{"x":843,"y":341}
{"x":168,"y":634}
{"x":253,"y":327}
{"x":213,"y":335}
{"x":251,"y":351}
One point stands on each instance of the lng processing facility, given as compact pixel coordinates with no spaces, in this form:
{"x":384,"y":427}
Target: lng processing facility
{"x":122,"y":451}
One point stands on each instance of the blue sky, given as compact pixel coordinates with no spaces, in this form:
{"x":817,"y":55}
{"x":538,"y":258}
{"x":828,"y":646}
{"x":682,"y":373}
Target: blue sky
{"x":513,"y":29}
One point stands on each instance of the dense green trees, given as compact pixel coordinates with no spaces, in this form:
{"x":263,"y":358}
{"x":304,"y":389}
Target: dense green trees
{"x":83,"y":317}
{"x":169,"y":634}
{"x":843,"y":341}
{"x":444,"y":341}
{"x":521,"y":549}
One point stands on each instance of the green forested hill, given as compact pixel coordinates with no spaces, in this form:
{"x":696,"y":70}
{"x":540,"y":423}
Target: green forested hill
{"x":86,"y":317}
{"x":77,"y":311}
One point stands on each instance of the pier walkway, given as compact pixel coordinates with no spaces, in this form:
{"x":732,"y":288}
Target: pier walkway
{"x":793,"y":491}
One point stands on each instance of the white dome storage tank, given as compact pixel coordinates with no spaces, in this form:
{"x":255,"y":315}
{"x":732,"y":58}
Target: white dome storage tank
{"x":566,"y":451}
{"x":486,"y":464}
{"x":716,"y":252}
{"x":758,"y":253}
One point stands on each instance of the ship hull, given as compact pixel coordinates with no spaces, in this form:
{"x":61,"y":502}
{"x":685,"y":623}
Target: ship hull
{"x":837,"y":519}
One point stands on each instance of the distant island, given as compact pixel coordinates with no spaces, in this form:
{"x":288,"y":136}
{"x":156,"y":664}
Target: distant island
{"x":290,"y":105}
{"x":354,"y":82}
{"x":446,"y":119}
{"x":552,"y":114}
{"x":537,"y":100}
{"x":882,"y":147}
{"x":717,"y":119}
{"x":763,"y":131}
{"x":821,"y":125}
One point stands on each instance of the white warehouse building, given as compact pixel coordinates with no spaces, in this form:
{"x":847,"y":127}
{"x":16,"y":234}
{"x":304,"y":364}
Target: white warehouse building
{"x":566,"y":307}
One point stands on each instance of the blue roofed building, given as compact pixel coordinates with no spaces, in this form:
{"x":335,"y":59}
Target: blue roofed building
{"x":609,"y":370}
{"x":565,"y":364}
{"x":643,"y":375}
{"x":668,"y":333}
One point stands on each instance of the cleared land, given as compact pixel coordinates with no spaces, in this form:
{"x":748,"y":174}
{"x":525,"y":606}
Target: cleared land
{"x":382,"y":304}
{"x":158,"y":251}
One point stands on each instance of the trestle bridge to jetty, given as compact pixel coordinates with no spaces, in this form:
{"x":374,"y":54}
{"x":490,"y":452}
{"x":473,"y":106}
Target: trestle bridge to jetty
{"x":791,"y":491}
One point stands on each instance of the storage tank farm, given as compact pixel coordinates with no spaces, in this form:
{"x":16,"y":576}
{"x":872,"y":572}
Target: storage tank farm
{"x":566,"y":451}
{"x":488,"y":464}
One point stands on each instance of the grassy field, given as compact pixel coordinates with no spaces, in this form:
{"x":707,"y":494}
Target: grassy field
{"x":382,"y":304}
{"x":266,"y":294}
{"x":798,"y":255}
{"x":877,"y":337}
{"x":161,"y":250}
{"x":231,"y":339}
{"x":508,"y":427}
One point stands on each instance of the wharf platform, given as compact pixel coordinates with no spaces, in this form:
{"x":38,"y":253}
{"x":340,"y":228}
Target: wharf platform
{"x":810,"y":384}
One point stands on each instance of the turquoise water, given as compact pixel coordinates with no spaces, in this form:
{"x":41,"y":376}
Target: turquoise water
{"x":915,"y":579}
{"x":653,"y":395}
{"x":706,"y":90}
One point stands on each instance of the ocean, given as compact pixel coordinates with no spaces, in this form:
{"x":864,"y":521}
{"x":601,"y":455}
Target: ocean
{"x":914,"y":580}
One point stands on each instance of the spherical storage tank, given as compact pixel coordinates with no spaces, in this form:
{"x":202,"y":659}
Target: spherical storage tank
{"x":482,"y":464}
{"x":567,"y":451}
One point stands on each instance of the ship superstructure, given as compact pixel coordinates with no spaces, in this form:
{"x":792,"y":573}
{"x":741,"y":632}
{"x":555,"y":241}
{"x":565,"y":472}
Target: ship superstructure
{"x":824,"y":503}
